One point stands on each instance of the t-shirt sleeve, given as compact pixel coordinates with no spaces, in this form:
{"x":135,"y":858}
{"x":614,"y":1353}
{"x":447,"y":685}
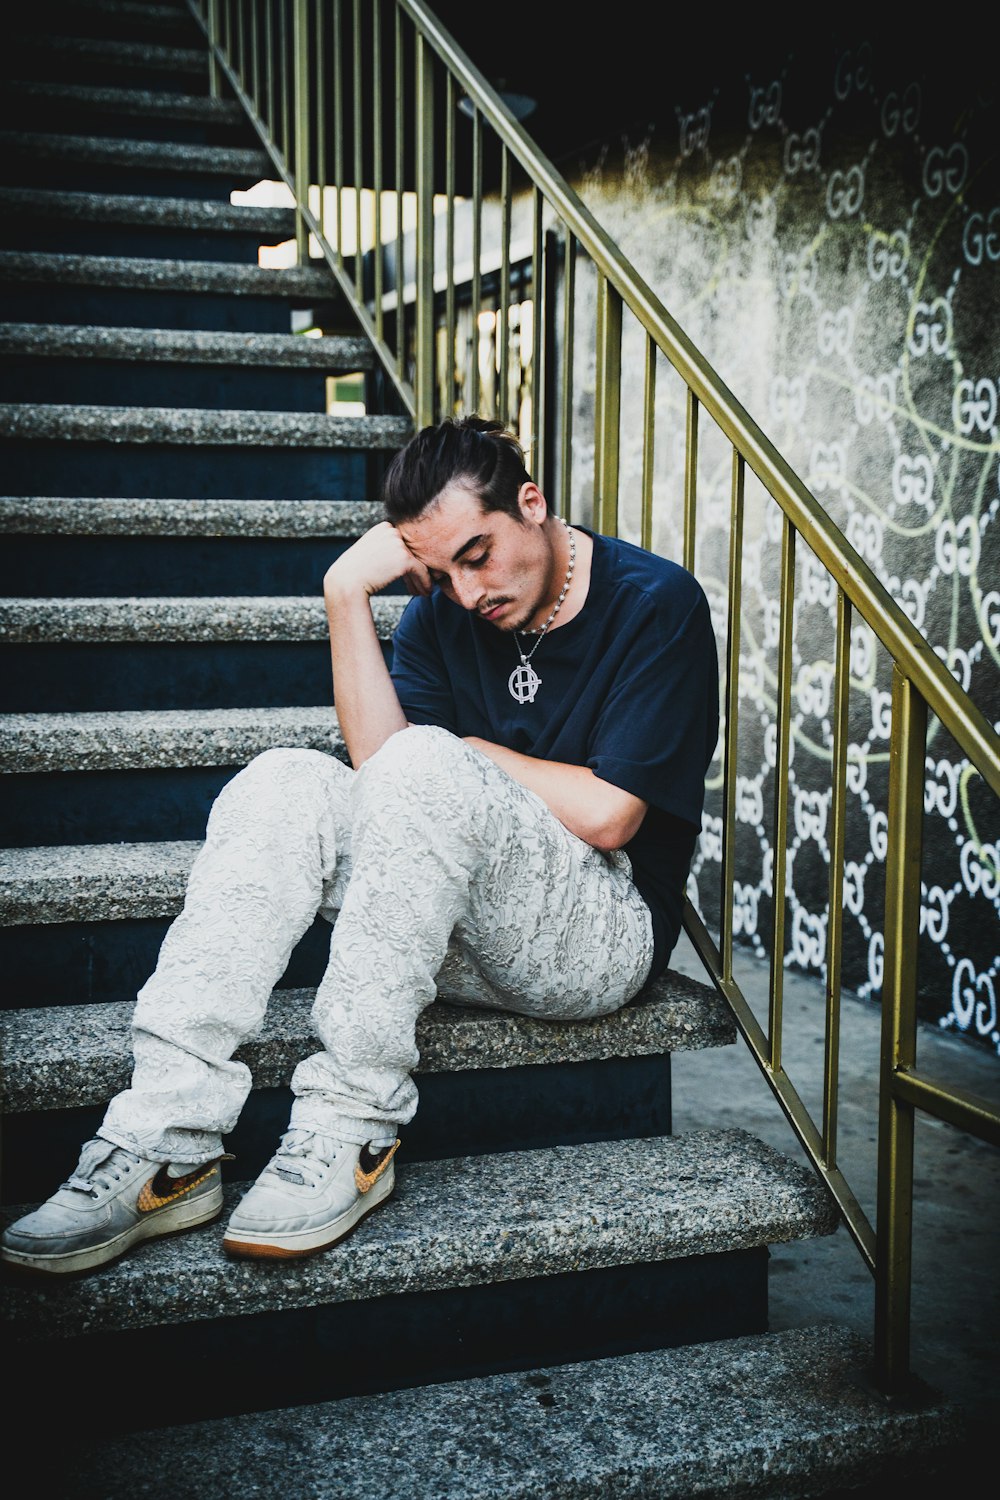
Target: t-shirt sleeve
{"x":417,"y":670}
{"x":658,"y":727}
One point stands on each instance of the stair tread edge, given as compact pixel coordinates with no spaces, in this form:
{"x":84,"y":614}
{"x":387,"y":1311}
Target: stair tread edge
{"x":67,"y":1056}
{"x":450,"y":1223}
{"x":797,"y":1405}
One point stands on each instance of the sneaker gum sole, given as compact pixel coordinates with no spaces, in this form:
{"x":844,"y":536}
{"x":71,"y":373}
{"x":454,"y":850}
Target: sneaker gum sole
{"x":173,"y":1220}
{"x":307,"y":1242}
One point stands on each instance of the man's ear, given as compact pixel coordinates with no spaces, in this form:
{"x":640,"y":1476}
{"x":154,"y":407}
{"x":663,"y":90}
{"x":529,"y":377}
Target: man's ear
{"x":531,"y":502}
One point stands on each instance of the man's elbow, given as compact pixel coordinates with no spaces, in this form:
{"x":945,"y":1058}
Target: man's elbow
{"x":616,"y":829}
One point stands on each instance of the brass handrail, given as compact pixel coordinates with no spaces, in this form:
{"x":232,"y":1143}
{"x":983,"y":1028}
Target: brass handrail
{"x":249,"y":45}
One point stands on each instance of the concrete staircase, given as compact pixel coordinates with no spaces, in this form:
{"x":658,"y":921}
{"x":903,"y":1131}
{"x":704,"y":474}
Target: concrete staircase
{"x":562,"y":1296}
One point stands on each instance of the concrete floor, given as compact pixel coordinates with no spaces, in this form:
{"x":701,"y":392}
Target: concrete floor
{"x":955,"y":1319}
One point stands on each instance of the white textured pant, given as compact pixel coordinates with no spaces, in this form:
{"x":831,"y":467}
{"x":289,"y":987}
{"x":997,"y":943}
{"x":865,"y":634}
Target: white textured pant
{"x":428,"y":851}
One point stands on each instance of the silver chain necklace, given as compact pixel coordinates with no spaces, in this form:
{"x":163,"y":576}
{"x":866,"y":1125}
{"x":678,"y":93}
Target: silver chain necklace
{"x":524,"y":681}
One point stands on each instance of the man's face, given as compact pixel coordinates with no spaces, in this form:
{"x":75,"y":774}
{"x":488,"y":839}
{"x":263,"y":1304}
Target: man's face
{"x":487,"y":561}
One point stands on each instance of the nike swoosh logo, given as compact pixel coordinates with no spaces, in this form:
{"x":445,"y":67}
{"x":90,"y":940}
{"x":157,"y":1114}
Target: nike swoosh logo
{"x":364,"y":1180}
{"x":163,"y":1189}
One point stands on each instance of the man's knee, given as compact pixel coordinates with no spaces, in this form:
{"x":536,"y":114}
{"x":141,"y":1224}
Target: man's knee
{"x":423,"y":763}
{"x":277,"y":779}
{"x":420,"y":750}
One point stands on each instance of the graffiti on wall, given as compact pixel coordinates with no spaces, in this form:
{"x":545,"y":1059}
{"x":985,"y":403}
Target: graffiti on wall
{"x":828,"y":234}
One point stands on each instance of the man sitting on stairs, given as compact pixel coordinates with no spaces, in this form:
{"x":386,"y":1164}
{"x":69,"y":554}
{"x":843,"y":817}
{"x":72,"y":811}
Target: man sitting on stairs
{"x":524,"y":797}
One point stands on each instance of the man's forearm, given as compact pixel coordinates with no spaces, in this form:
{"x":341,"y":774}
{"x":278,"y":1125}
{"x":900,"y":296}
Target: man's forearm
{"x":366,"y":702}
{"x":368,"y":709}
{"x":595,"y":810}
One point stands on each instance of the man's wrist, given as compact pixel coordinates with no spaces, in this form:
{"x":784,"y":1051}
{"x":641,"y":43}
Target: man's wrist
{"x":341,"y":590}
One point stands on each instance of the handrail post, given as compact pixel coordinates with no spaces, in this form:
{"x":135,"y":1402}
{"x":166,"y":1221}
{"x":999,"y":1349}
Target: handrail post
{"x":648,"y":445}
{"x":477,"y":251}
{"x":357,"y":114}
{"x":894,"y":1221}
{"x":835,"y":897}
{"x":539,"y":300}
{"x":607,"y":439}
{"x":300,"y":49}
{"x":690,"y":479}
{"x":731,"y":721}
{"x":566,"y":404}
{"x":214,"y":75}
{"x":502,"y":403}
{"x":783,"y":713}
{"x":424,"y":269}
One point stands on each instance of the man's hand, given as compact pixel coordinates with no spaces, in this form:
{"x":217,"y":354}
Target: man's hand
{"x":374,"y":561}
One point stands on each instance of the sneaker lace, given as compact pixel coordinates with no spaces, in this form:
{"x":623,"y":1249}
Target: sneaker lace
{"x":101,"y":1164}
{"x":303,"y":1156}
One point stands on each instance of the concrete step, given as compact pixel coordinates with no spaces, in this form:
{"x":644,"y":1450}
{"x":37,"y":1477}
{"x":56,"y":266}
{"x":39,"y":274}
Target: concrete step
{"x":117,"y":779}
{"x":134,"y":23}
{"x":132,"y":740}
{"x":108,"y":55}
{"x":331,"y":354}
{"x":120,"y":18}
{"x":137,"y":776}
{"x":463,"y":1222}
{"x":78,"y":546}
{"x":119,"y":210}
{"x":71,"y":547}
{"x":168,"y":291}
{"x":773,"y":1415}
{"x":163,"y":565}
{"x":301,"y":285}
{"x":476,"y":1263}
{"x":254,"y":651}
{"x":87,"y":882}
{"x":187,"y":230}
{"x":146,"y":114}
{"x":59,"y":365}
{"x":243,"y":657}
{"x":209,"y":370}
{"x":69,"y":1056}
{"x":200,"y":426}
{"x":250,"y":617}
{"x":51,"y":515}
{"x":245,"y":165}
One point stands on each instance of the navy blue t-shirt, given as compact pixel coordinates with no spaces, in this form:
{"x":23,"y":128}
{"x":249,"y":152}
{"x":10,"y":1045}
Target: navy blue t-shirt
{"x":629,"y":687}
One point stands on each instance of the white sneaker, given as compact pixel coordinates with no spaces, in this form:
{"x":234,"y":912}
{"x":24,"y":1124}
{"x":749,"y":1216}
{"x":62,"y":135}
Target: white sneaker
{"x":312,"y":1192}
{"x":113,"y":1200}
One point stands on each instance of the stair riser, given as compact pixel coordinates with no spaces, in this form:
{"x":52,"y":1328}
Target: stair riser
{"x":175,"y":471}
{"x":73,"y":238}
{"x":124,"y":308}
{"x":98,"y":382}
{"x":254,"y":674}
{"x":78,"y":963}
{"x":96,"y":566}
{"x":468,"y":1113}
{"x":292,"y":1357}
{"x":105,"y":807}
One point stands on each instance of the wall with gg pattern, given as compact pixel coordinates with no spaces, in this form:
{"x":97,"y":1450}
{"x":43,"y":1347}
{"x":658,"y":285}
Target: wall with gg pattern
{"x":826,"y":228}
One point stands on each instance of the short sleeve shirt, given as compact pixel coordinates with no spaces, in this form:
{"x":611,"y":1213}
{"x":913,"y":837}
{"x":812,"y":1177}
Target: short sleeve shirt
{"x":629,"y":688}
